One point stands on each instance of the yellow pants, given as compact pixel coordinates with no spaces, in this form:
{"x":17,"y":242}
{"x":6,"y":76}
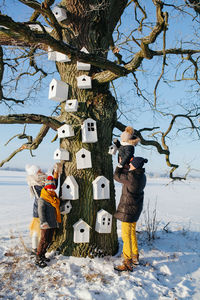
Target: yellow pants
{"x":130,"y":246}
{"x":35,"y":226}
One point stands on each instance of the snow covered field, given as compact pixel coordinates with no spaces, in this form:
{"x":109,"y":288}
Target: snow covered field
{"x":170,"y":266}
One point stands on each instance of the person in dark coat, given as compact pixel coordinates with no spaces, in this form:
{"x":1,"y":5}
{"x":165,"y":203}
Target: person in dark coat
{"x":49,"y":214}
{"x":130,"y":208}
{"x":126,"y":146}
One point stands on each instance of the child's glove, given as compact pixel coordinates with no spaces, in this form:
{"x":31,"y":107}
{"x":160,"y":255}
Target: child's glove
{"x":44,"y":225}
{"x":119,"y":166}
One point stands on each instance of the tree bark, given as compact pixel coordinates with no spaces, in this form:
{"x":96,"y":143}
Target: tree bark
{"x":87,"y":29}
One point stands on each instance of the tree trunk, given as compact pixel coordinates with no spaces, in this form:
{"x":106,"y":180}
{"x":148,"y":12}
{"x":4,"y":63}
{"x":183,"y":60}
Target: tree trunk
{"x":86,"y":28}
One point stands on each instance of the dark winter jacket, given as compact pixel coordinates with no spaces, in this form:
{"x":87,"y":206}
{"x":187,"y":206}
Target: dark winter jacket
{"x":126,"y":153}
{"x":47,"y":213}
{"x":131,"y":201}
{"x":36,"y":190}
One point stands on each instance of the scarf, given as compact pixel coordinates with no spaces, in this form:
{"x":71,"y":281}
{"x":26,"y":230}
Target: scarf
{"x":51,"y":197}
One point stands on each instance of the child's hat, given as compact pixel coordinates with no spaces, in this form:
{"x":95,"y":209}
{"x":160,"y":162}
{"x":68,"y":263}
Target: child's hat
{"x":138,"y":162}
{"x":32,"y":169}
{"x":127,"y":134}
{"x":50,"y":183}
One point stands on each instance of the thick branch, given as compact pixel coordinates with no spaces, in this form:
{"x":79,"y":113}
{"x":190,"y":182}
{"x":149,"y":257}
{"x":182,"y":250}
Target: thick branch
{"x":23,"y":33}
{"x":31,"y":119}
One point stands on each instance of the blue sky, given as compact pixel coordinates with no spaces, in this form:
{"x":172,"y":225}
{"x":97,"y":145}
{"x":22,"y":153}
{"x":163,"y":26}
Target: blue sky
{"x":137,"y":113}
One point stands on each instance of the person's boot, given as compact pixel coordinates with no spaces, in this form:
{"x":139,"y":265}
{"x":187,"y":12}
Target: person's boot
{"x":45,"y":258}
{"x":125,"y":266}
{"x":135,"y":259}
{"x":40,"y":262}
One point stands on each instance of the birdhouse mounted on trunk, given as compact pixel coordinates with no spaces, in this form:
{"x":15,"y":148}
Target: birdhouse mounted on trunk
{"x":58,"y":90}
{"x":61,"y":154}
{"x":101,"y":188}
{"x":84,"y":82}
{"x":89,"y":131}
{"x":60,"y":57}
{"x":103,"y":222}
{"x":81,"y":232}
{"x":65,"y":208}
{"x":70,"y":189}
{"x":59,"y":13}
{"x":65,"y":131}
{"x":112,"y":150}
{"x":81,"y":65}
{"x":83,"y":159}
{"x":71,"y":105}
{"x":57,"y":56}
{"x":51,"y":54}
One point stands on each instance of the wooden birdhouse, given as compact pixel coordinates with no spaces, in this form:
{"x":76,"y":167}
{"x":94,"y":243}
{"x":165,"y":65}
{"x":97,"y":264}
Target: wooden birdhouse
{"x":83,"y":159}
{"x":81,"y":65}
{"x":65,"y":208}
{"x":60,"y":57}
{"x":112,"y":150}
{"x":84,"y":82}
{"x":81,"y":232}
{"x":61,"y":154}
{"x":70,"y":189}
{"x":51,"y":54}
{"x":65,"y":131}
{"x":103,"y":222}
{"x":59,"y":13}
{"x":71,"y":105}
{"x":89,"y":131}
{"x":58,"y":90}
{"x":101,"y":188}
{"x":57,"y":56}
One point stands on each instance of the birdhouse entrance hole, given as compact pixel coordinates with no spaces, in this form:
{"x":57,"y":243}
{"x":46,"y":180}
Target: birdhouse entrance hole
{"x":82,"y":230}
{"x":83,"y":155}
{"x":103,"y":185}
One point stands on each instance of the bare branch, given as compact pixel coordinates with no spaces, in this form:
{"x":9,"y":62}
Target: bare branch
{"x":31,"y":119}
{"x":30,"y":145}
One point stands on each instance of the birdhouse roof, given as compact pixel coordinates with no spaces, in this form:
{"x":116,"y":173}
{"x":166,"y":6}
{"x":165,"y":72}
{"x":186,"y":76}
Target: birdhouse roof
{"x":81,"y":222}
{"x":84,"y":50}
{"x":70,"y":179}
{"x":83,"y":150}
{"x":100,"y":179}
{"x":103,"y":212}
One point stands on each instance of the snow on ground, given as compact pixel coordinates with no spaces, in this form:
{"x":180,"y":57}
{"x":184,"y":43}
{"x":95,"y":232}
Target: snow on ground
{"x":170,"y":264}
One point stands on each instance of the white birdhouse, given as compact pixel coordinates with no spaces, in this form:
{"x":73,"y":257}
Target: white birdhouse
{"x":57,"y":56}
{"x":81,"y":232}
{"x":65,"y":209}
{"x":103,"y":222}
{"x":71,"y":105}
{"x":112,"y":150}
{"x":61,"y":154}
{"x":81,"y":65}
{"x":51,"y":54}
{"x":83,"y":159}
{"x":60,"y":57}
{"x":84,"y":82}
{"x":59,"y":13}
{"x":58,"y":90}
{"x":65,"y":131}
{"x":70,"y":189}
{"x":89,"y":131}
{"x":101,"y":188}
